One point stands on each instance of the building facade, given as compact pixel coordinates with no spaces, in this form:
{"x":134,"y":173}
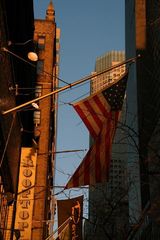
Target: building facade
{"x":142,"y":37}
{"x":14,"y":29}
{"x":103,"y":62}
{"x":27,"y":136}
{"x":35,"y":207}
{"x":104,"y":220}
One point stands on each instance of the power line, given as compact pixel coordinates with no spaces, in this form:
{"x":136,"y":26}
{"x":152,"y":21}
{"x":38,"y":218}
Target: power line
{"x":31,"y":64}
{"x":63,"y":151}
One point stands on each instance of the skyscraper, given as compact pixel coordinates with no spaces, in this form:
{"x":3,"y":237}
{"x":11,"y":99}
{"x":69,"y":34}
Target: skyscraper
{"x":103,"y":62}
{"x":102,"y":196}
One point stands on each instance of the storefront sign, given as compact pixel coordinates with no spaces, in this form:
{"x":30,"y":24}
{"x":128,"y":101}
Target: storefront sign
{"x":25,"y":198}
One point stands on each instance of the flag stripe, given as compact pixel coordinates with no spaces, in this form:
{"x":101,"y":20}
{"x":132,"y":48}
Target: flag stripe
{"x":94,"y":114}
{"x":100,"y":103}
{"x":85,"y":120}
{"x":93,"y":117}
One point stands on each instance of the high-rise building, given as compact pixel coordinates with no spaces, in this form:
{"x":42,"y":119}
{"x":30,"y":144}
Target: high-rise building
{"x":103,"y":62}
{"x":103,"y":217}
{"x":143,"y":104}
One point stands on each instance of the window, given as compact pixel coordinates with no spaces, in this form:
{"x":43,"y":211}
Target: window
{"x":40,"y":66}
{"x":38,"y":91}
{"x":37,"y":117}
{"x":41,"y":42}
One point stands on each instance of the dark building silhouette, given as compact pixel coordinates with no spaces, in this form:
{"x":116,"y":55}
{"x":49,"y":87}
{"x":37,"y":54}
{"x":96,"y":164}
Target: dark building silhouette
{"x":143,"y":37}
{"x":16,"y":26}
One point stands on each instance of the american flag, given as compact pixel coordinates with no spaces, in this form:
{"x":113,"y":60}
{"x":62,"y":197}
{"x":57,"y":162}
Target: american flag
{"x":100,"y":113}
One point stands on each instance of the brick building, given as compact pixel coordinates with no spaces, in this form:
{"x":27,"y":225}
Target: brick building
{"x":35,"y":210}
{"x":28,"y":136}
{"x":47,"y":37}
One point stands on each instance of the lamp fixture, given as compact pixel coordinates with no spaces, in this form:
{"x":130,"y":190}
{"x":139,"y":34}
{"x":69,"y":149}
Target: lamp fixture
{"x":31,"y":55}
{"x":35,"y":105}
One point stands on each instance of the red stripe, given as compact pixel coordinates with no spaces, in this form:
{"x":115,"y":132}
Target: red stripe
{"x":99,"y":102}
{"x":93,"y":113}
{"x":82,"y":179}
{"x":85,"y":120}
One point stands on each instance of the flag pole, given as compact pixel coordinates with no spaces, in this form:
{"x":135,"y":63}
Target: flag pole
{"x":82,"y":80}
{"x":63,"y":224}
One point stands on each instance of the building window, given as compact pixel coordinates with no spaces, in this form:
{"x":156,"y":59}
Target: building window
{"x":40,"y":66}
{"x":38,"y":91}
{"x":37,"y":117}
{"x":41,"y":42}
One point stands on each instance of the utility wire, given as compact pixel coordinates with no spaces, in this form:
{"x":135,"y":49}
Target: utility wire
{"x":63,"y":151}
{"x":31,"y":64}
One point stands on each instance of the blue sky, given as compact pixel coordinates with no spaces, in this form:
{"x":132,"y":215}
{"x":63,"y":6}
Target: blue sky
{"x":89,"y":28}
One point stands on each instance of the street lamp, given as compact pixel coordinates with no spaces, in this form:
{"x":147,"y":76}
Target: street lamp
{"x":35,"y":105}
{"x":31,"y":55}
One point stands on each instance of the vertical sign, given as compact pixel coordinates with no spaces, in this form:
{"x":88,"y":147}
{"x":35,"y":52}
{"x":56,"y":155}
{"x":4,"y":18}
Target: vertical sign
{"x":71,"y":208}
{"x":25,"y":198}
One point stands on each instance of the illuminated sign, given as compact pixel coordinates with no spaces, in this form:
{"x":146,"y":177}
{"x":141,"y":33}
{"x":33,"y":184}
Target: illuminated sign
{"x":25,"y":198}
